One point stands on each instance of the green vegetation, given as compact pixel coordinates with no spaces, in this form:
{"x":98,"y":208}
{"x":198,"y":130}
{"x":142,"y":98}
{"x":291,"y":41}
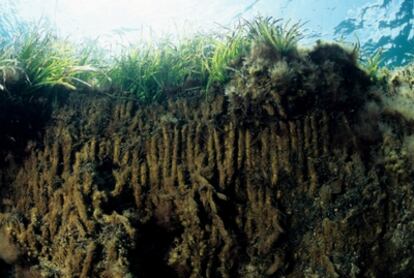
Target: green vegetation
{"x":48,"y":62}
{"x":38,"y":60}
{"x":372,"y":66}
{"x":8,"y":68}
{"x":282,"y":38}
{"x":226,"y":52}
{"x":147,"y":71}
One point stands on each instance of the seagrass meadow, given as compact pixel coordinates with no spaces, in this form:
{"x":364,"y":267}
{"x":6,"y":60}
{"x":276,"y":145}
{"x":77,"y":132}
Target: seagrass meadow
{"x":265,"y":161}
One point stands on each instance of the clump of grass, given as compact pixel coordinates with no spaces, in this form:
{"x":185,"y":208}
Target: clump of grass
{"x":372,"y":66}
{"x":95,"y":62}
{"x":225,"y":52}
{"x":270,"y":32}
{"x":194,"y":53}
{"x":149,"y":71}
{"x":48,"y":62}
{"x":9,"y":69}
{"x":134,"y":72}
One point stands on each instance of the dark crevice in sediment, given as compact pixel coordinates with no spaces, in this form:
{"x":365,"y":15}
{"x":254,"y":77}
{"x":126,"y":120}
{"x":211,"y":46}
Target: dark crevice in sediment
{"x":104,"y":178}
{"x":6,"y":270}
{"x":149,"y":258}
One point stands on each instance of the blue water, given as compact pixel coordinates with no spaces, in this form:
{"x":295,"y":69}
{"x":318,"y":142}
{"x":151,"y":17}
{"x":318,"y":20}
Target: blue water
{"x":386,"y":25}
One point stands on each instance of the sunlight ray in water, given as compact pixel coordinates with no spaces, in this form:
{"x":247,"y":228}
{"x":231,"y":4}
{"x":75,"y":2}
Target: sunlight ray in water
{"x":128,"y":18}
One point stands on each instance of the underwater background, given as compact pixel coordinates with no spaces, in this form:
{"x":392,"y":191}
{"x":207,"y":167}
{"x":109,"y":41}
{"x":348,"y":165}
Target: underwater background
{"x":206,"y":139}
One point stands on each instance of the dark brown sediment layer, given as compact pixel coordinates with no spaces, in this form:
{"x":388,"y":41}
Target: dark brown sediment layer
{"x":303,"y":168}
